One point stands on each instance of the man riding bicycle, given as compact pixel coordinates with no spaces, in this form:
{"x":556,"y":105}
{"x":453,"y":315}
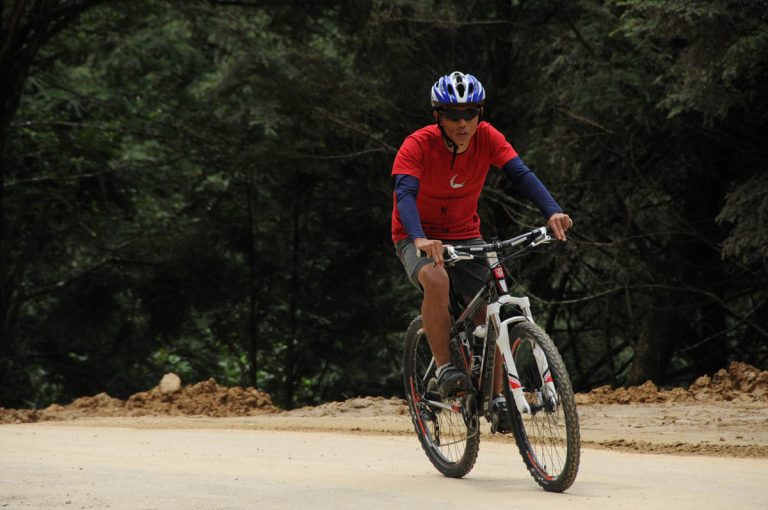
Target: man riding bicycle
{"x":439,"y":173}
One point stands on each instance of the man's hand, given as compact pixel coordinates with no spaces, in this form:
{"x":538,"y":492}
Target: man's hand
{"x":432,"y":248}
{"x":558,"y":223}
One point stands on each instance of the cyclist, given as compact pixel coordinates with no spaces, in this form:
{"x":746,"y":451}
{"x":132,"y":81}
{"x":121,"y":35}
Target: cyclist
{"x":439,"y":173}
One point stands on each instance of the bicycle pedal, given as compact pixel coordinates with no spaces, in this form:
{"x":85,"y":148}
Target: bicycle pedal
{"x":432,"y":392}
{"x":496,"y":427}
{"x":501,"y":421}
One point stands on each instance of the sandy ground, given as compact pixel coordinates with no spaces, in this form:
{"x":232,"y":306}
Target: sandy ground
{"x":724,"y":414}
{"x":714,"y":429}
{"x":78,"y":465}
{"x":204,"y":446}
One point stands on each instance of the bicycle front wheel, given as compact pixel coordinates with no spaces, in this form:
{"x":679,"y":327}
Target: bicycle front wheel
{"x":448,"y":431}
{"x":547,"y":437}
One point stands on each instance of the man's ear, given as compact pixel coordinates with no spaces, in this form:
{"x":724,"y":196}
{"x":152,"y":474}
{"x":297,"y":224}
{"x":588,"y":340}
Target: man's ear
{"x":482,"y":111}
{"x":436,"y":116}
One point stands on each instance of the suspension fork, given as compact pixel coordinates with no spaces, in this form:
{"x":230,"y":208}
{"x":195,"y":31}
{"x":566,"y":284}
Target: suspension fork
{"x":503,"y":343}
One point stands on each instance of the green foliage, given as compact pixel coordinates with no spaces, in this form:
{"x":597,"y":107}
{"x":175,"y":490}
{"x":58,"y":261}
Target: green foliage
{"x":204,"y":187}
{"x":746,"y":209}
{"x":708,"y":55}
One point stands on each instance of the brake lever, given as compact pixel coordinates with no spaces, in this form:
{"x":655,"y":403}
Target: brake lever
{"x":543,"y":239}
{"x":450,"y":254}
{"x":453,"y":256}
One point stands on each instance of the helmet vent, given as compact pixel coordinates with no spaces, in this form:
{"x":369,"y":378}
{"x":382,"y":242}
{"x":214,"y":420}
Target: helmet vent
{"x":457,"y":88}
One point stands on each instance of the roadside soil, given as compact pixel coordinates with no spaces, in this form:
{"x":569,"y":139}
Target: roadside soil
{"x":725,"y":414}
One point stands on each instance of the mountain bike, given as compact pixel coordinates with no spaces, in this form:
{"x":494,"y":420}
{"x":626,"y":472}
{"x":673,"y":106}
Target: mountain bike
{"x":536,"y":387}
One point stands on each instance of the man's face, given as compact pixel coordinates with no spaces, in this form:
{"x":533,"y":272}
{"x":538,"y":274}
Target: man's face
{"x":460,"y":130}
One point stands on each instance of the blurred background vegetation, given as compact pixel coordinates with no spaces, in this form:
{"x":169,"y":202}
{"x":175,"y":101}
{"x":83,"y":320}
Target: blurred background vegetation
{"x":204,"y":186}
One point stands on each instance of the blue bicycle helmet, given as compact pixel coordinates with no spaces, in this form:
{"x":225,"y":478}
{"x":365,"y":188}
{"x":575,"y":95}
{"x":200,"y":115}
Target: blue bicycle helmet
{"x":457,"y":88}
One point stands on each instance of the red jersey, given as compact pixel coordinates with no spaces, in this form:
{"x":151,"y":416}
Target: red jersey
{"x":447,"y":199}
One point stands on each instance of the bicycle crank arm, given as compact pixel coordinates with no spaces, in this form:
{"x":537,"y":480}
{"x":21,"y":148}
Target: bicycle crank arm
{"x":455,"y":408}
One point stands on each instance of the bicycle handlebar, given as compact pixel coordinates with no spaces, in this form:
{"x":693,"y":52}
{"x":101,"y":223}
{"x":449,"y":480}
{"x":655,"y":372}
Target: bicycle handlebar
{"x":455,"y":253}
{"x":535,"y":237}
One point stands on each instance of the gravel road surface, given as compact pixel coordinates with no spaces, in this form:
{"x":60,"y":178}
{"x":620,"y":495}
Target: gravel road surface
{"x":72,"y":466}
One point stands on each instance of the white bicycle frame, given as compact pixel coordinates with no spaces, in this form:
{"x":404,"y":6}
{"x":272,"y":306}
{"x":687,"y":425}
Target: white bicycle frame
{"x":503,"y":343}
{"x":501,"y":328}
{"x":493,"y":318}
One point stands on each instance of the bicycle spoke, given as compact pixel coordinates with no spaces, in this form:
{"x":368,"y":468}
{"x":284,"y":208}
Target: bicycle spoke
{"x":440,"y":425}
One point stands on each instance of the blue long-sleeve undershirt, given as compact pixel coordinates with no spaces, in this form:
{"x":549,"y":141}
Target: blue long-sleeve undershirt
{"x":531,"y":187}
{"x":406,"y":191}
{"x":522,"y":177}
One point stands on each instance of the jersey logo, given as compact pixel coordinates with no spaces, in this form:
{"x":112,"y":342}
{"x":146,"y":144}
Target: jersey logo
{"x":453,"y":183}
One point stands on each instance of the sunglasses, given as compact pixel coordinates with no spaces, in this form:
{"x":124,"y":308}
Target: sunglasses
{"x":455,"y":115}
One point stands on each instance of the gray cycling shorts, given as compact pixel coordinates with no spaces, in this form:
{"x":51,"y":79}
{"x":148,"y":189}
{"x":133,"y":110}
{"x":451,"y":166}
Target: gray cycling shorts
{"x":467,"y":275}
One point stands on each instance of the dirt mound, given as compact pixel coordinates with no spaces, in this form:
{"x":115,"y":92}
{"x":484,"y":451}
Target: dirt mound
{"x":739,"y":382}
{"x":360,"y":406}
{"x":206,"y":398}
{"x":681,"y":447}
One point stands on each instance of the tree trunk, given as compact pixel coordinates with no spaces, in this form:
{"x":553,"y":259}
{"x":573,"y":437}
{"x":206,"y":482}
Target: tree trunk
{"x":290,"y":351}
{"x":253,"y":347}
{"x":3,"y":262}
{"x":658,"y":335}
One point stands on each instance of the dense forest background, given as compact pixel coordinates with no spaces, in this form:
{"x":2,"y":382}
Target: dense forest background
{"x":204,"y":186}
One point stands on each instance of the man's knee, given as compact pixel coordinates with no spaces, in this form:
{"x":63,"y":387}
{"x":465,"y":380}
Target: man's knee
{"x":433,"y":279}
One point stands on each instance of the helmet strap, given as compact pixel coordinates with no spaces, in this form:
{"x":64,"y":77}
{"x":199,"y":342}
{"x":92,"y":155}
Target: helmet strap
{"x":450,"y":143}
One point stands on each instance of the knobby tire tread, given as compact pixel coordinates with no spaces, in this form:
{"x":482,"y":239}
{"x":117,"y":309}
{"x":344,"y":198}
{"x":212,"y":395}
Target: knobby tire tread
{"x":465,"y":464}
{"x":568,"y":404}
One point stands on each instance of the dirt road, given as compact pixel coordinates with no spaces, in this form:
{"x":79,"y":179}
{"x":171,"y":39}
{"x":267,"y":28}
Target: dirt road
{"x":205,"y":446}
{"x":96,"y":464}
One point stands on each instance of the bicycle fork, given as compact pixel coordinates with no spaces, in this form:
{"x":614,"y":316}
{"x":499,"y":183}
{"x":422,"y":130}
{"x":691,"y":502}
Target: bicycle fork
{"x":503,"y":343}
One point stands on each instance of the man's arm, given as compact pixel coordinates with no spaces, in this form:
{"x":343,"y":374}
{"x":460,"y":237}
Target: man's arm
{"x":406,"y":191}
{"x":526,"y":181}
{"x":532,"y":188}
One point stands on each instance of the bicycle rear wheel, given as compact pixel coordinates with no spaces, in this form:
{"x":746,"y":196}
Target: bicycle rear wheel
{"x":449,"y":437}
{"x":548,"y":438}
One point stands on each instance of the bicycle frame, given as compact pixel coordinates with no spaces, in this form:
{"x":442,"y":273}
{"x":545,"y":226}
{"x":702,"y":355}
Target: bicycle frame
{"x":494,"y":295}
{"x":540,"y":410}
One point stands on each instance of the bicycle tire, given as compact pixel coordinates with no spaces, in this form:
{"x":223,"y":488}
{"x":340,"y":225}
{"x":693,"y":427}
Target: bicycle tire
{"x":450,"y":444}
{"x":548,"y":438}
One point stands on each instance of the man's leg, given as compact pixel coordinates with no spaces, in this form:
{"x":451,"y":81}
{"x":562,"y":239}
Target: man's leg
{"x":436,"y":318}
{"x":434,"y":311}
{"x":434,"y":283}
